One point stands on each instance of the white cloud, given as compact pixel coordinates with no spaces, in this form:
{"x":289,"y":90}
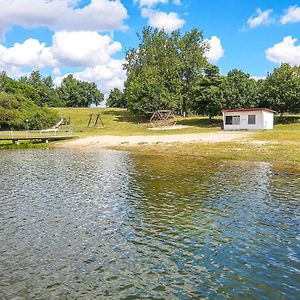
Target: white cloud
{"x":12,"y":71}
{"x":150,"y":3}
{"x":161,"y":20}
{"x":106,"y":76}
{"x":260,"y":18}
{"x":158,"y":19}
{"x":56,"y":72}
{"x":292,"y":15}
{"x":88,"y":50}
{"x":59,"y":15}
{"x":285,"y":52}
{"x":256,"y":78}
{"x":69,"y":49}
{"x":31,"y":53}
{"x":215,"y":51}
{"x":83,"y":48}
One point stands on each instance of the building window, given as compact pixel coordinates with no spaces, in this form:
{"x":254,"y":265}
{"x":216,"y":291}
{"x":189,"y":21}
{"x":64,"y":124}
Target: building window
{"x":235,"y":120}
{"x":232,"y":120}
{"x":228,"y":120}
{"x":251,"y":119}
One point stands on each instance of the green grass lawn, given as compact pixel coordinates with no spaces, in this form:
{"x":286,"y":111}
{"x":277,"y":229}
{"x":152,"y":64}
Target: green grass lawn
{"x":121,"y":122}
{"x":287,"y":131}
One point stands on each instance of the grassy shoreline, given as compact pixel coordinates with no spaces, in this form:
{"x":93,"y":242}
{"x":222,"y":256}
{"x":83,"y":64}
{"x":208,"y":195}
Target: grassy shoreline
{"x":281,"y":155}
{"x":280,"y":146}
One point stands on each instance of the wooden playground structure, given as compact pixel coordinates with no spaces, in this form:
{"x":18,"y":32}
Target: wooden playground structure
{"x":63,"y":121}
{"x":163,"y":118}
{"x":98,"y":119}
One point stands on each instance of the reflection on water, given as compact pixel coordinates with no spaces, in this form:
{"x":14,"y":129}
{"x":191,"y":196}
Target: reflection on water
{"x":90,"y":225}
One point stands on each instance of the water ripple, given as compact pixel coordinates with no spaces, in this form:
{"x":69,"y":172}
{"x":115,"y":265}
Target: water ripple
{"x":108,"y":224}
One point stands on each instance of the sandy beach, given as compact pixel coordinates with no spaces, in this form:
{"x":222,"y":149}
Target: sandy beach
{"x":106,"y":141}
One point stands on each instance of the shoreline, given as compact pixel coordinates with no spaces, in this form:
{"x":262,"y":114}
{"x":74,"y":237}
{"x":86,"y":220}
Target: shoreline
{"x":108,"y":141}
{"x":213,"y":146}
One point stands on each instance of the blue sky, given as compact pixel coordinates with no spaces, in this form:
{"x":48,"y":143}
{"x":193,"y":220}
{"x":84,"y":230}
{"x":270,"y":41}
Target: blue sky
{"x":90,"y":37}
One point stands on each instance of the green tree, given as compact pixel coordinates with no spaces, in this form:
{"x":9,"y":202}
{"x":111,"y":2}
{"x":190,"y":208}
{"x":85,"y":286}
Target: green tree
{"x":44,"y":91}
{"x":207,"y":92}
{"x":6,"y":83}
{"x":281,"y":89}
{"x":116,"y":99}
{"x":152,"y":73}
{"x":18,"y":87}
{"x":77,"y":93}
{"x":192,"y":61}
{"x":239,"y":90}
{"x":163,"y":70}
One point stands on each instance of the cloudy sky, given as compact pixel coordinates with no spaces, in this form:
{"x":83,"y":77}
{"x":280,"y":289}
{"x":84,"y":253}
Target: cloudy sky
{"x":90,"y":37}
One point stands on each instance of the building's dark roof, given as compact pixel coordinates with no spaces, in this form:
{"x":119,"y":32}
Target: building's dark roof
{"x":248,"y":109}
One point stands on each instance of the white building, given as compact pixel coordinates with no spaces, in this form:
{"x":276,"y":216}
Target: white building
{"x":248,"y":119}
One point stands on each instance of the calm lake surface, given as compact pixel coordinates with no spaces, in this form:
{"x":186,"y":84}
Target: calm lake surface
{"x":86,"y":225}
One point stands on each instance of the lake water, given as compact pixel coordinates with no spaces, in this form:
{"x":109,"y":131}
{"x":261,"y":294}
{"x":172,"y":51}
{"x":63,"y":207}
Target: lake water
{"x":89,"y":225}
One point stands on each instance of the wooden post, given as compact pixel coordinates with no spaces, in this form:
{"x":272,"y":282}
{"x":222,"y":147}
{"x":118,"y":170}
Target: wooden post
{"x":97,"y":118}
{"x":90,"y":120}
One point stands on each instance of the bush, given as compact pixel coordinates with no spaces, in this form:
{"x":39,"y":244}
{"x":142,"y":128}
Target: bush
{"x":15,"y":110}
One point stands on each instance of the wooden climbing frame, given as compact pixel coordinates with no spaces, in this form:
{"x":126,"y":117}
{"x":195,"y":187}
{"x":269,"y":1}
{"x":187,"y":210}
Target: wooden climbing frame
{"x":163,"y":117}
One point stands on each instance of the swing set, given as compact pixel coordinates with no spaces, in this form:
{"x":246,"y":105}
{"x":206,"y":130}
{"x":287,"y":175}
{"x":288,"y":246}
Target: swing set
{"x":98,"y":119}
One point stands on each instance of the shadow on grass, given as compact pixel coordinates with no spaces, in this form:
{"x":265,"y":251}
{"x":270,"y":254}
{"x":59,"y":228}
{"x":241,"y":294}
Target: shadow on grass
{"x":125,"y":116}
{"x":287,"y":120}
{"x":204,"y":123}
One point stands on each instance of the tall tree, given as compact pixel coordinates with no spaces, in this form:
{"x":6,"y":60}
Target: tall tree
{"x":6,"y":83}
{"x":192,"y":61}
{"x":43,"y":87}
{"x":77,"y":93}
{"x":116,"y":99}
{"x":162,"y":71}
{"x":239,"y":90}
{"x":152,"y":73}
{"x":207,"y":92}
{"x":281,"y":89}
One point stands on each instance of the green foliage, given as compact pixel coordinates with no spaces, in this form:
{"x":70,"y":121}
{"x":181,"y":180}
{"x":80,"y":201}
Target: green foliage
{"x":207,"y":92}
{"x":45,"y":93}
{"x":191,"y":49}
{"x":116,"y":99}
{"x":15,"y":110}
{"x":171,"y":72}
{"x":239,"y":90}
{"x":281,"y":89}
{"x":77,"y":93}
{"x":162,"y":70}
{"x":41,"y":90}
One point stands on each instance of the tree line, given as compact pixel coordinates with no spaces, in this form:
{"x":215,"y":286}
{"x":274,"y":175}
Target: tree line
{"x":41,"y":90}
{"x":25,"y":102}
{"x":170,"y":71}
